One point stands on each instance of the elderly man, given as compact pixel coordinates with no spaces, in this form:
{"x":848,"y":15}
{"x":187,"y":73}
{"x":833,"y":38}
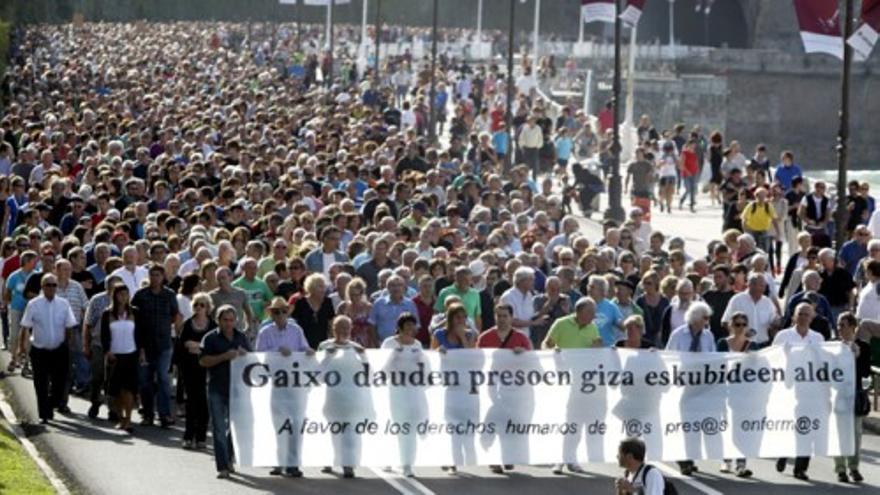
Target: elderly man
{"x":49,"y":320}
{"x":226,"y":293}
{"x":609,"y":319}
{"x":563,"y":239}
{"x":693,"y":336}
{"x":549,"y":307}
{"x":131,"y":274}
{"x":837,"y":286}
{"x":257,"y":291}
{"x":800,"y":333}
{"x":521,"y":298}
{"x":282,"y":335}
{"x":390,"y":306}
{"x":75,"y":295}
{"x":758,"y":308}
{"x":811,"y":282}
{"x":469,"y":296}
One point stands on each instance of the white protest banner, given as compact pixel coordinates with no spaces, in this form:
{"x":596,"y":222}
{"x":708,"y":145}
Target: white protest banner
{"x":387,"y":407}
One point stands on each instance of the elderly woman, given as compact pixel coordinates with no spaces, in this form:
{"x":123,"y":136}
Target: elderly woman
{"x":357,"y":307}
{"x":693,"y":336}
{"x":634,"y":331}
{"x":314,"y":312}
{"x":674,"y":316}
{"x":194,"y":378}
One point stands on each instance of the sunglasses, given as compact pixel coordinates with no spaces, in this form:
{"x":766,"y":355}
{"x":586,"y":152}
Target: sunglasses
{"x":50,"y":285}
{"x":277,"y":311}
{"x":740,"y":324}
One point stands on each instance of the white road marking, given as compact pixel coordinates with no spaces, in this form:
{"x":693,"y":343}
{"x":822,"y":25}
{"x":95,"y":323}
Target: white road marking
{"x":698,"y":485}
{"x":401,"y":483}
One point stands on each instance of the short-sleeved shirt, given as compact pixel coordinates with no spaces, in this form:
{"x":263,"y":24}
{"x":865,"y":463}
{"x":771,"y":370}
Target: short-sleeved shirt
{"x":271,"y":339}
{"x":385,"y":312}
{"x":97,"y":304}
{"x":566,"y":333}
{"x":258,"y":294}
{"x":236,"y":298}
{"x":153,"y":318}
{"x":213,"y":344}
{"x":469,"y":298}
{"x":48,"y":321}
{"x":16,"y":284}
{"x":608,"y":317}
{"x":491,"y":340}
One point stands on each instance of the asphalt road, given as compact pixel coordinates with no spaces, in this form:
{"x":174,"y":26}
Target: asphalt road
{"x":96,"y":459}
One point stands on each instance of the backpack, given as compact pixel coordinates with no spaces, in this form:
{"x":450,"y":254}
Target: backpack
{"x":668,"y":486}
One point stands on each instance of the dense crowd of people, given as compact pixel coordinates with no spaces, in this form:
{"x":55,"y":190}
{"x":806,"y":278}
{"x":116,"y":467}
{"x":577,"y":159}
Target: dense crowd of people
{"x":177,"y":195}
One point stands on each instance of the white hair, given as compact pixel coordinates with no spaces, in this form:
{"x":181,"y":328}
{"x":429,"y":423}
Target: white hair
{"x":696,"y":312}
{"x":523,"y":273}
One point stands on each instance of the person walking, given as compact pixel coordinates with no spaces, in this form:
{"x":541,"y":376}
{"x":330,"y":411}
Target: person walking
{"x":120,"y":353}
{"x":638,"y":478}
{"x":195,"y":378}
{"x":847,"y":325}
{"x":218,"y":349}
{"x":738,"y":341}
{"x":49,"y":320}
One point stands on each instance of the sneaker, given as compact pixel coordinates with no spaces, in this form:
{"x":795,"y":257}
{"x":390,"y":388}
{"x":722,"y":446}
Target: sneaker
{"x":742,"y":472}
{"x":276,"y":471}
{"x":496,"y":469}
{"x":408,"y":472}
{"x":801,"y":475}
{"x":726,"y":467}
{"x":452,"y":470}
{"x":188,"y":445}
{"x":223,"y":474}
{"x":856,"y":476}
{"x":557,"y":469}
{"x":508,"y":467}
{"x":93,"y":411}
{"x":348,"y":472}
{"x":574,"y":468}
{"x":842,"y":477}
{"x":326,"y":469}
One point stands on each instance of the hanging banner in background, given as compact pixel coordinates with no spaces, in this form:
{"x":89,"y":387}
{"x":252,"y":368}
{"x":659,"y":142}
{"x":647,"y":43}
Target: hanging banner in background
{"x":865,"y":37}
{"x":633,"y":11}
{"x":819,"y":22}
{"x":597,"y":10}
{"x":481,"y":407}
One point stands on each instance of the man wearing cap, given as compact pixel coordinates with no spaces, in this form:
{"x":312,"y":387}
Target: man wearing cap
{"x":282,"y":335}
{"x":49,"y":320}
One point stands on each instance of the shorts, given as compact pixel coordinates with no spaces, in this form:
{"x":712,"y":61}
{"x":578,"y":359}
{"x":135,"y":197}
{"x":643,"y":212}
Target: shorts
{"x":667,"y":181}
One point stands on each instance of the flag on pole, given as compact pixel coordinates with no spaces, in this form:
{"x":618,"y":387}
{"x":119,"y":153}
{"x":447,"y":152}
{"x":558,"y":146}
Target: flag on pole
{"x":865,"y":37}
{"x":597,"y":10}
{"x":633,"y":11}
{"x":819,"y":22}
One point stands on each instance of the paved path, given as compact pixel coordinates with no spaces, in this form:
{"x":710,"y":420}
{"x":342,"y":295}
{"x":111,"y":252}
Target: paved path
{"x":96,"y":459}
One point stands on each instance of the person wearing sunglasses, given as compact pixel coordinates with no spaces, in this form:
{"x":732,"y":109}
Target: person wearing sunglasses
{"x":49,"y":321}
{"x":737,"y":341}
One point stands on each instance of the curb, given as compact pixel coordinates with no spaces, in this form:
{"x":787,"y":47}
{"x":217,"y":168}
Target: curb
{"x":15,"y":428}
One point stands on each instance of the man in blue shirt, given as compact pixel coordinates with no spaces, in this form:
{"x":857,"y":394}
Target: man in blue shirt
{"x":855,"y":249}
{"x":787,"y":170}
{"x":16,"y":301}
{"x":387,"y":308}
{"x":608,"y":317}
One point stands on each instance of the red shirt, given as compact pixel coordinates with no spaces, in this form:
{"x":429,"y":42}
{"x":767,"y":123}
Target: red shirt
{"x":606,"y":120}
{"x":490,"y":340}
{"x":690,"y":167}
{"x":497,"y":120}
{"x":426,"y":312}
{"x":10,"y":265}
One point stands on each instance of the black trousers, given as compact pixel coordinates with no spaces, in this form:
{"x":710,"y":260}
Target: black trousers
{"x":51,"y":368}
{"x":800,"y":464}
{"x":196,"y":404}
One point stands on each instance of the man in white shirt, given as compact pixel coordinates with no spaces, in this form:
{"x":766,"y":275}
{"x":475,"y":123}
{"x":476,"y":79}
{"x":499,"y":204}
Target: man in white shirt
{"x":869,"y":296}
{"x":800,"y":333}
{"x":758,"y":307}
{"x":521,"y":298}
{"x":531,"y":139}
{"x":130,"y":273}
{"x":50,"y":321}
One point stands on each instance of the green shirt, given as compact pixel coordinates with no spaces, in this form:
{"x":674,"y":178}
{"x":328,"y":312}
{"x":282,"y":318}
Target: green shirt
{"x":470,"y":299}
{"x":567,"y":334}
{"x":258,"y":294}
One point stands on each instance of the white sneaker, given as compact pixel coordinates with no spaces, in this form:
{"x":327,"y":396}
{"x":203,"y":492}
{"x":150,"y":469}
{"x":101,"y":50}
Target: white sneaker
{"x":408,"y":472}
{"x":574,"y":468}
{"x":557,"y":468}
{"x":727,"y":467}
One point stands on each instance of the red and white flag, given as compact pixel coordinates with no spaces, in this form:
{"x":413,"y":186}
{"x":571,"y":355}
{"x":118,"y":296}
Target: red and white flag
{"x":865,"y":37}
{"x":819,"y":21}
{"x":633,"y":11}
{"x":597,"y":10}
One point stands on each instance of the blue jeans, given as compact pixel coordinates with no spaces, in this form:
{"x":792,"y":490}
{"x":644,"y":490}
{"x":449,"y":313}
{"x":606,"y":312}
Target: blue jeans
{"x":690,"y":189}
{"x":218,"y":404}
{"x":156,"y":371}
{"x":82,"y":371}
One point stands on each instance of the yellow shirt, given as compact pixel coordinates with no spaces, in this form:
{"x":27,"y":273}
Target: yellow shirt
{"x":757,"y":217}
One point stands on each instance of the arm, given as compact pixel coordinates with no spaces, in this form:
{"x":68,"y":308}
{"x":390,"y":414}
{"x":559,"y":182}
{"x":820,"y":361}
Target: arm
{"x":214,"y":360}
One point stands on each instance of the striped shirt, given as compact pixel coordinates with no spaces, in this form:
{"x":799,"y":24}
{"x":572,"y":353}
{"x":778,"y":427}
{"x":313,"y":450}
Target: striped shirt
{"x":76,"y":297}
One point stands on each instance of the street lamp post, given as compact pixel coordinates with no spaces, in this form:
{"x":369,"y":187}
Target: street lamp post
{"x":671,"y":24}
{"x":508,"y":115}
{"x":535,"y":40}
{"x":615,"y":208}
{"x":330,"y":37}
{"x":843,"y":130}
{"x":378,"y":39}
{"x":432,"y":130}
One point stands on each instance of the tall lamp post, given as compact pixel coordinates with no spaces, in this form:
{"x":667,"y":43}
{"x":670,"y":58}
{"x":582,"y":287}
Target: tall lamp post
{"x":432,"y":130}
{"x":378,"y":39}
{"x":671,"y":24}
{"x":535,"y":34}
{"x":615,"y":208}
{"x":330,"y":37}
{"x":843,"y":130}
{"x":508,"y":115}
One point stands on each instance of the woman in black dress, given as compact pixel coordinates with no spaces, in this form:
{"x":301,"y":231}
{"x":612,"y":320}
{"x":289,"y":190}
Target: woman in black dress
{"x":194,"y":375}
{"x":716,"y":157}
{"x":120,"y":353}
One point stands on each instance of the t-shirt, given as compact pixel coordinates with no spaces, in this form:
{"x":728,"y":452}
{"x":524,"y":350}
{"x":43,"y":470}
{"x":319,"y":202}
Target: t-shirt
{"x":643,"y":175}
{"x":608,"y":316}
{"x":258,"y":294}
{"x":690,"y":167}
{"x":213,"y":344}
{"x":564,"y":146}
{"x":648,"y":482}
{"x":566,"y":333}
{"x":470,"y":299}
{"x":491,"y":340}
{"x":16,"y":284}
